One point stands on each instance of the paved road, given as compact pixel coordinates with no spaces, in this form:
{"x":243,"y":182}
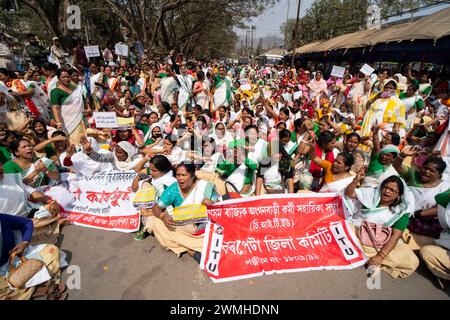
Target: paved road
{"x":114,"y":266}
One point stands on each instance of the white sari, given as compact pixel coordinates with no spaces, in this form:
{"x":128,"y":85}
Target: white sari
{"x":444,"y":220}
{"x":337,"y":186}
{"x":410,"y":104}
{"x":202,"y":98}
{"x":72,"y":109}
{"x":97,"y":91}
{"x":424,"y":197}
{"x":185,"y":92}
{"x":366,"y":207}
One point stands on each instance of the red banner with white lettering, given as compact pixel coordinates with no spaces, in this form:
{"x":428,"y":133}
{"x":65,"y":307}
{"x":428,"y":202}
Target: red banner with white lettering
{"x":276,"y":234}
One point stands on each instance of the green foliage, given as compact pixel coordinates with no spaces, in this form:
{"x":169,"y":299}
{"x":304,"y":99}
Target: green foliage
{"x":327,"y":19}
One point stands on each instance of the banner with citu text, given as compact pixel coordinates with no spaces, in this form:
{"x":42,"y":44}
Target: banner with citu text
{"x":276,"y":234}
{"x":103,"y":201}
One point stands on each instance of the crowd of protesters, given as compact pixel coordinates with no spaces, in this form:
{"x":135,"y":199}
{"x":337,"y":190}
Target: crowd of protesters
{"x":203,"y":132}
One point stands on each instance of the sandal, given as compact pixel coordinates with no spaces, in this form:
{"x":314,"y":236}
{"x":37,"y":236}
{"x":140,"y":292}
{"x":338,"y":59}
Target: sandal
{"x":42,"y":291}
{"x":49,"y":289}
{"x":58,"y":288}
{"x":63,"y":296}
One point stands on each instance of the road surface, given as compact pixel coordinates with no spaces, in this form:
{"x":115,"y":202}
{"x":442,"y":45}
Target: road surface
{"x":115,"y":266}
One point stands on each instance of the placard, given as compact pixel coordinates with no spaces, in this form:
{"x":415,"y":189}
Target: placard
{"x":298,"y":95}
{"x":125,"y":122}
{"x":121,"y":50}
{"x":103,"y":201}
{"x":193,"y":213}
{"x":267,"y":94}
{"x":105,"y":120}
{"x":338,"y":72}
{"x":287,"y":97}
{"x":145,"y":198}
{"x":92,"y":51}
{"x":246,"y":87}
{"x":367,"y":70}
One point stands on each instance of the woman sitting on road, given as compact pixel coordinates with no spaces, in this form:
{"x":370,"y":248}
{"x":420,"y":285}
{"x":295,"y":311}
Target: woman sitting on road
{"x":187,"y":191}
{"x":10,"y":248}
{"x":436,"y":252}
{"x":381,"y":167}
{"x":125,"y":156}
{"x":33,"y":173}
{"x":425,"y":183}
{"x":159,"y":175}
{"x":390,"y":205}
{"x":336,"y":175}
{"x":275,"y":174}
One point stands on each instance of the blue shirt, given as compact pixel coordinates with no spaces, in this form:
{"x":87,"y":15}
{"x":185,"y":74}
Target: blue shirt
{"x":9,"y":224}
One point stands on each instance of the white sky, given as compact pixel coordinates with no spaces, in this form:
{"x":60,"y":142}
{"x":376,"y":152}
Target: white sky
{"x":269,"y":22}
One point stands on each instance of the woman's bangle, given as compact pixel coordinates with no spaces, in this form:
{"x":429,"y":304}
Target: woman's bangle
{"x":383,"y":253}
{"x":162,"y":215}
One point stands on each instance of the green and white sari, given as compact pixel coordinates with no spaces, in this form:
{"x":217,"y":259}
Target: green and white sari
{"x":223,"y":94}
{"x":367,"y":207}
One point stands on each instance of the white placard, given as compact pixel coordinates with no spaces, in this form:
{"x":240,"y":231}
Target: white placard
{"x":121,"y":50}
{"x":246,"y":87}
{"x":367,"y":70}
{"x":92,"y":51}
{"x":287,"y":97}
{"x":338,"y":72}
{"x":105,"y":120}
{"x":267,"y":94}
{"x":297,"y":95}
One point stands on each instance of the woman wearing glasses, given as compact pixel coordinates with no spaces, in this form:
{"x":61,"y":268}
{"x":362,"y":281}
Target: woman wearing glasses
{"x":390,"y":205}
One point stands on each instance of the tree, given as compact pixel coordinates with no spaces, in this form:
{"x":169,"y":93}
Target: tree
{"x":327,"y":19}
{"x":175,"y":23}
{"x":259,"y":48}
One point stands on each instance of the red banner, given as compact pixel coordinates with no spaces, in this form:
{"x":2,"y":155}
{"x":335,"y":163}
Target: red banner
{"x":276,"y":234}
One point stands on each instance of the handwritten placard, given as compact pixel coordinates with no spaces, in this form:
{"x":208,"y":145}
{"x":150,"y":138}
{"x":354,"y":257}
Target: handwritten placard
{"x":92,"y":51}
{"x":121,"y":50}
{"x":338,"y":72}
{"x":105,"y":120}
{"x":367,"y":70}
{"x":297,"y":95}
{"x":246,"y":87}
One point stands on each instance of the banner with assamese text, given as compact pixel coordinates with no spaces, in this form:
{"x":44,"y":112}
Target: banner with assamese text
{"x":276,"y":234}
{"x":103,"y":201}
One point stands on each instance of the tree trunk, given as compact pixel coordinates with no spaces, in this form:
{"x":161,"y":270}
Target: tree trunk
{"x":50,"y":21}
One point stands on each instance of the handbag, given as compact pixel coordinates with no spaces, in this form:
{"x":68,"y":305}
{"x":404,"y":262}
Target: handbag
{"x":27,"y":269}
{"x":374,"y":235}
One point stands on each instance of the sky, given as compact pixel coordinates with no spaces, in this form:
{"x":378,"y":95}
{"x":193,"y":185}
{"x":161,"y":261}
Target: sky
{"x":269,"y":22}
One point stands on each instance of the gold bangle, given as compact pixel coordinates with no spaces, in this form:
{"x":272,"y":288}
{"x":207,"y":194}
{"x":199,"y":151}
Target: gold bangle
{"x":384,"y":253}
{"x":162,"y":215}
